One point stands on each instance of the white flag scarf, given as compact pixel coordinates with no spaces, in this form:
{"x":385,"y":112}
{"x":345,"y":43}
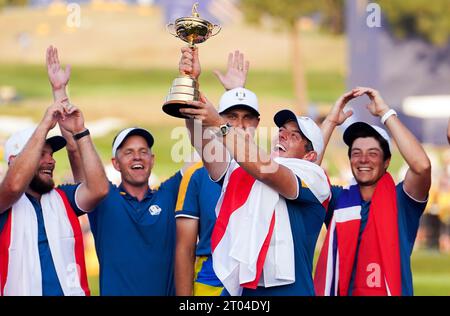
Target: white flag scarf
{"x":252,"y":237}
{"x":20,"y":269}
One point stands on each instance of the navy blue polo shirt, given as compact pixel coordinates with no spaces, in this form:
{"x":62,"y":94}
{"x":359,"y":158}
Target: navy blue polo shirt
{"x":409,"y":213}
{"x":135,"y":240}
{"x":50,"y":282}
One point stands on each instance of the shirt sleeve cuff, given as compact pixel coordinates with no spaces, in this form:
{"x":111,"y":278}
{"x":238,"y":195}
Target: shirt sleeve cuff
{"x":76,"y":199}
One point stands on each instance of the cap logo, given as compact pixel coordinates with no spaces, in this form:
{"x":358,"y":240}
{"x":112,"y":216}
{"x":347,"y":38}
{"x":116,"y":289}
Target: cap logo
{"x":240,"y":95}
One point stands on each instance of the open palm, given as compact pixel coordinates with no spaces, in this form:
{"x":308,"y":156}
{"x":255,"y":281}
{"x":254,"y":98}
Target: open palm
{"x":236,"y":74}
{"x":56,"y":74}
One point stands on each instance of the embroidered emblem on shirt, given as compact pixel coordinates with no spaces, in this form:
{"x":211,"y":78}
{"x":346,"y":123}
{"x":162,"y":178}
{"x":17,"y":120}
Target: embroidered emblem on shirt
{"x":154,"y":210}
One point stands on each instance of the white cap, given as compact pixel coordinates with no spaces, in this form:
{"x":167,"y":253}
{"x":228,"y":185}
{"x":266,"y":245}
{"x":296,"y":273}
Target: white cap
{"x":120,"y":138}
{"x":307,"y":125}
{"x":360,"y":128}
{"x":17,"y":141}
{"x":238,"y":97}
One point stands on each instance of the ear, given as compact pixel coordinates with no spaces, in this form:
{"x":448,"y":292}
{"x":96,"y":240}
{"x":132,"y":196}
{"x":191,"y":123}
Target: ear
{"x":311,"y":156}
{"x":386,"y":164}
{"x":115,"y":164}
{"x":152,"y":161}
{"x":11,"y":159}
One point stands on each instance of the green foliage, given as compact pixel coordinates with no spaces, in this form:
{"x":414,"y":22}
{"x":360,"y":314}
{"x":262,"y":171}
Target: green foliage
{"x":333,"y":16}
{"x":419,"y":18}
{"x":285,"y":12}
{"x":4,"y":3}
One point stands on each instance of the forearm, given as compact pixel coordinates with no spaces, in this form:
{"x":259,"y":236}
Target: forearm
{"x":212,"y":152}
{"x":250,"y":157}
{"x":59,"y":94}
{"x":74,"y":156}
{"x":184,"y":271}
{"x":95,"y":177}
{"x":327,"y":129}
{"x":409,"y":147}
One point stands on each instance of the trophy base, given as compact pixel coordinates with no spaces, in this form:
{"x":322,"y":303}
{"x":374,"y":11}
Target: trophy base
{"x":173,"y":108}
{"x":183,"y":91}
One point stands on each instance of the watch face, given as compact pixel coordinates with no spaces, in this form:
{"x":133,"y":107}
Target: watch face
{"x":224,"y":129}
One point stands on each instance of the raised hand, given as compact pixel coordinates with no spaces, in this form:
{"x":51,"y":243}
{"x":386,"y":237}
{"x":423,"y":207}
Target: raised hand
{"x":73,"y":120}
{"x":377,"y":106}
{"x":337,"y":115}
{"x":189,"y":62}
{"x":54,"y":113}
{"x":204,"y":111}
{"x":237,"y":71}
{"x":57,"y":76}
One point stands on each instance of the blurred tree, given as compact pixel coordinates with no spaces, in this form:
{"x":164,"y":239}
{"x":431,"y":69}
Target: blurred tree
{"x":4,"y":3}
{"x":425,"y":19}
{"x":286,"y":15}
{"x":333,"y":15}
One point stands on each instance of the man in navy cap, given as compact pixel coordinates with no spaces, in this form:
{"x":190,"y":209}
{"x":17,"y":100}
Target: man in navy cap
{"x":372,"y":225}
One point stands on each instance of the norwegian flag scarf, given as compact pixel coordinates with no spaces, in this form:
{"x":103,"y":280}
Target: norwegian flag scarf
{"x":377,"y":270}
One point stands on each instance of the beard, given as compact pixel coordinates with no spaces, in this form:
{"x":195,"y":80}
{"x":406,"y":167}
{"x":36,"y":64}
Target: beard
{"x":40,"y":186}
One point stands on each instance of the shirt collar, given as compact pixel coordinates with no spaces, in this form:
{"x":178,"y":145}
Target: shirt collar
{"x":127,"y":195}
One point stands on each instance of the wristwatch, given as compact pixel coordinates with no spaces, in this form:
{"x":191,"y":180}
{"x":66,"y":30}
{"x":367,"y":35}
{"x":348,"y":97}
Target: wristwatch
{"x":224,"y":129}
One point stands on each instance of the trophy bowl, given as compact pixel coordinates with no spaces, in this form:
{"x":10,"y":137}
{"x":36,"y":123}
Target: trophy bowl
{"x":192,"y":30}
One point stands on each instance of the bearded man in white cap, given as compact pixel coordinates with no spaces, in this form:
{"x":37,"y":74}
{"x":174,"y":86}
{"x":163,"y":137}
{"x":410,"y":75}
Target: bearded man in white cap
{"x":41,"y":245}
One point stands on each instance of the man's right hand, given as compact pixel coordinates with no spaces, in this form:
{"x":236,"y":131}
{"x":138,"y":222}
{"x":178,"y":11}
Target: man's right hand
{"x":337,"y":116}
{"x":58,"y":77}
{"x":190,"y":63}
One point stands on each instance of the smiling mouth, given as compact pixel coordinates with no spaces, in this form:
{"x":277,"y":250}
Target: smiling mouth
{"x":364,"y":169}
{"x":137,"y":167}
{"x":280,"y":147}
{"x":47,"y":172}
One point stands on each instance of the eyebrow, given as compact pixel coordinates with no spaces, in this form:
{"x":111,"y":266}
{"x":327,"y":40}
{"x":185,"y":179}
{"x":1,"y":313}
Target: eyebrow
{"x":292,"y":130}
{"x":372,"y":148}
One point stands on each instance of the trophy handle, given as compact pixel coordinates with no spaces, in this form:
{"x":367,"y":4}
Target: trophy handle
{"x":171,"y":29}
{"x":219,"y":28}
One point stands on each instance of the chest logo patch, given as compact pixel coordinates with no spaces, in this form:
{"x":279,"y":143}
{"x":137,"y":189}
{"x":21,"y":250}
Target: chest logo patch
{"x":154,"y":209}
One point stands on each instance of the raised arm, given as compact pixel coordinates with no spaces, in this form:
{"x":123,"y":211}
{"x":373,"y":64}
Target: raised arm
{"x":242,"y":147}
{"x":336,"y":117}
{"x":95,"y":185}
{"x":418,"y":177}
{"x":23,"y":167}
{"x":212,"y":151}
{"x":59,"y":78}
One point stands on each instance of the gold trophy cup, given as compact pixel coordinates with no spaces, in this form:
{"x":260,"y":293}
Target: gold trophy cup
{"x":192,"y":30}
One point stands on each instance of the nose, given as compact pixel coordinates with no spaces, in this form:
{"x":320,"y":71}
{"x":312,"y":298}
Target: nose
{"x":49,"y":159}
{"x":364,"y":157}
{"x":239,"y":123}
{"x":282,"y":134}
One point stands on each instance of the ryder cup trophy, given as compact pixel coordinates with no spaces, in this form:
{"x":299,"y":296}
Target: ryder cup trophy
{"x":192,"y":30}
